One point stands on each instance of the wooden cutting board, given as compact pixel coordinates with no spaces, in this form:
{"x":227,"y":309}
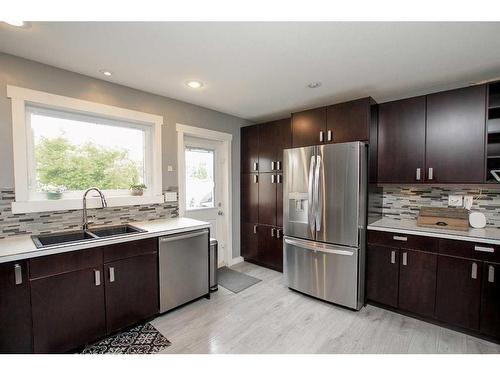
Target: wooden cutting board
{"x":443,"y":217}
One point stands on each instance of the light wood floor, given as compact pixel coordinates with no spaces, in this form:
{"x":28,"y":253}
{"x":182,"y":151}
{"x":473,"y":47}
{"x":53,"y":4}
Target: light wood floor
{"x":270,"y":318}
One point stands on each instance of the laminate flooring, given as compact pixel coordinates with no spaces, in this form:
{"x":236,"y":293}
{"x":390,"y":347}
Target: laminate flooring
{"x":270,"y":318}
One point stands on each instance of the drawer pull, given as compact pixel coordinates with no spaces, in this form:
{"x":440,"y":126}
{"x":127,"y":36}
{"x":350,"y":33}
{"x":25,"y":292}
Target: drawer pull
{"x":278,"y":165}
{"x":255,"y":229}
{"x":255,"y":179}
{"x":484,"y":249}
{"x":273,"y":232}
{"x":474,"y":271}
{"x":405,"y":259}
{"x":272,"y":166}
{"x":418,"y":174}
{"x":18,"y":274}
{"x":393,"y":256}
{"x":97,"y":277}
{"x":255,"y":166}
{"x":111,"y":274}
{"x":400,"y":238}
{"x":491,"y":274}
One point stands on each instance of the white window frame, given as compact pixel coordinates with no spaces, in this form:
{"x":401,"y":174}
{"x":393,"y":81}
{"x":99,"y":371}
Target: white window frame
{"x":20,"y":97}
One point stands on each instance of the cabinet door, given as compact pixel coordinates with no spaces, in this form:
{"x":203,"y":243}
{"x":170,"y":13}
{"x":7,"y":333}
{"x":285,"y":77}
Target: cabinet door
{"x":349,"y":121}
{"x":274,"y":136}
{"x":309,"y":127}
{"x":249,"y":241}
{"x":490,"y":304}
{"x":417,"y":282}
{"x":250,"y":198}
{"x":131,"y":291}
{"x":458,"y":291}
{"x":271,"y":247}
{"x":401,"y":141}
{"x":15,"y":308}
{"x":68,"y":310}
{"x":267,"y":198}
{"x":382,"y":275}
{"x":249,"y":148}
{"x":455,"y":141}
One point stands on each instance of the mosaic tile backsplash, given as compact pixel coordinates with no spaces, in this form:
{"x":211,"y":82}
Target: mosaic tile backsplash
{"x":57,"y":221}
{"x":405,"y":202}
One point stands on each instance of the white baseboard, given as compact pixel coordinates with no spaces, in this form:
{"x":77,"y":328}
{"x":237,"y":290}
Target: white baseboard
{"x":236,"y":261}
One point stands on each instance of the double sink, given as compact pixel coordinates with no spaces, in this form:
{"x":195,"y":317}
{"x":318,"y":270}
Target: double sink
{"x":63,"y":238}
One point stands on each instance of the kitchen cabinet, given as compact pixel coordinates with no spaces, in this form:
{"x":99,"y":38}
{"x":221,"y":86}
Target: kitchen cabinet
{"x":382,"y":274}
{"x":249,"y":241}
{"x":131,"y":290}
{"x":349,"y":121}
{"x":490,"y":300}
{"x":458,"y":293}
{"x":417,"y":282}
{"x":271,"y":247}
{"x":455,"y":140}
{"x":15,"y":308}
{"x":401,"y":141}
{"x":250,"y":198}
{"x":309,"y":127}
{"x":274,"y":137}
{"x":249,"y":149}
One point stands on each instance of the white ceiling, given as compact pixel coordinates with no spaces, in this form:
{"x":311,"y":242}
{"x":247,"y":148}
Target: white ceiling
{"x":260,"y":71}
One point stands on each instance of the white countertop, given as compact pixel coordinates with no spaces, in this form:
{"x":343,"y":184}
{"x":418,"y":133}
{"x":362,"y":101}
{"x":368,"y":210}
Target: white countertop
{"x":22,"y":247}
{"x":487,"y":235}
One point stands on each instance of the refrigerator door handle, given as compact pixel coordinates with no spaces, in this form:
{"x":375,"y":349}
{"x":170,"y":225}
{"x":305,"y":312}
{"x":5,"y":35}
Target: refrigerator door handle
{"x":310,"y":192}
{"x":318,"y":196}
{"x":314,"y":246}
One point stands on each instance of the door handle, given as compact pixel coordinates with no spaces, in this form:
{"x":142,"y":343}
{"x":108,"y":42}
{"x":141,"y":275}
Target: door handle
{"x":97,"y":277}
{"x":278,"y":233}
{"x":474,"y":271}
{"x":255,"y":179}
{"x":318,"y":196}
{"x":255,"y":229}
{"x":393,"y":256}
{"x":18,"y":274}
{"x":273,"y":179}
{"x":183,"y":236}
{"x":111,"y":274}
{"x":329,"y":135}
{"x":400,"y":238}
{"x":278,"y":165}
{"x":255,"y":166}
{"x":220,"y":213}
{"x":491,"y":274}
{"x":405,"y":258}
{"x":273,"y":232}
{"x":321,"y":136}
{"x":273,"y":166}
{"x":279,"y":178}
{"x":431,"y":174}
{"x":418,"y":174}
{"x":310,"y":192}
{"x":314,"y":246}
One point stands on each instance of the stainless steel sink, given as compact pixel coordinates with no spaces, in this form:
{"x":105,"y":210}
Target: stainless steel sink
{"x":45,"y":240}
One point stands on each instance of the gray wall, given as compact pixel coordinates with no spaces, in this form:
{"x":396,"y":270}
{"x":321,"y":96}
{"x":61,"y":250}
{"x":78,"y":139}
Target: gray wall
{"x":29,"y":74}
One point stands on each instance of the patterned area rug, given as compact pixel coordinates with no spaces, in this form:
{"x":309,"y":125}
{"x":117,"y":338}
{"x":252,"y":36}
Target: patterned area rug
{"x":142,"y":339}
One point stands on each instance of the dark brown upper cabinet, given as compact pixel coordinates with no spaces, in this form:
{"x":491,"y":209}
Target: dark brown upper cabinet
{"x":455,"y":139}
{"x":309,"y":127}
{"x":15,"y":309}
{"x":349,"y":121}
{"x":274,"y":137}
{"x":249,"y":149}
{"x":401,"y":141}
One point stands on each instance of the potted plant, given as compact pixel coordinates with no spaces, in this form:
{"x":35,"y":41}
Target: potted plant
{"x":137,"y":189}
{"x":53,"y":192}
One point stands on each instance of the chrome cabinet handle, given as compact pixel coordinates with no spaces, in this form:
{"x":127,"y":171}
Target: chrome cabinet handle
{"x":273,"y":167}
{"x":405,"y":259}
{"x":18,"y":274}
{"x":278,"y":233}
{"x":431,"y":174}
{"x":255,"y":229}
{"x":484,"y":249}
{"x":255,"y":166}
{"x":393,"y":256}
{"x":273,"y":232}
{"x":418,"y":174}
{"x":255,"y":179}
{"x":321,"y":136}
{"x":491,"y":274}
{"x":329,"y":135}
{"x":278,"y":165}
{"x":474,"y":271}
{"x":273,"y":179}
{"x":400,"y":238}
{"x":97,"y":277}
{"x":280,"y":179}
{"x":111,"y":274}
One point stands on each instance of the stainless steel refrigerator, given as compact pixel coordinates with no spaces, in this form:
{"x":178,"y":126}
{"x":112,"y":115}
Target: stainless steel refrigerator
{"x":324,"y":219}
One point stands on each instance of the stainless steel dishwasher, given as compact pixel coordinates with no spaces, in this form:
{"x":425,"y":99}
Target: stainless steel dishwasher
{"x":183,"y":266}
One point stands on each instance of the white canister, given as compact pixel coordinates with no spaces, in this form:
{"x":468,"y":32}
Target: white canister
{"x":477,"y":220}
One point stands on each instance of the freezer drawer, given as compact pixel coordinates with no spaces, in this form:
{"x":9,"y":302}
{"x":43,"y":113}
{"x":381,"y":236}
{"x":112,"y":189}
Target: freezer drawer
{"x":325,"y":271}
{"x":183,"y":266}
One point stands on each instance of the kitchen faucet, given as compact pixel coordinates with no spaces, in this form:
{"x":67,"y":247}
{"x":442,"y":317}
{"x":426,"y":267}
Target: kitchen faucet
{"x":85,"y":225}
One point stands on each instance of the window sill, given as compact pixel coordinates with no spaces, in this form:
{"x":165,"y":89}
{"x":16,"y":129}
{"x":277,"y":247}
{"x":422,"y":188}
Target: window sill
{"x":77,"y":204}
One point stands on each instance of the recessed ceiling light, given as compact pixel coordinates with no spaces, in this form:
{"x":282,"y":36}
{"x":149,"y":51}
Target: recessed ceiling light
{"x":194,"y":84}
{"x":107,"y":73}
{"x":16,"y":23}
{"x":314,"y":85}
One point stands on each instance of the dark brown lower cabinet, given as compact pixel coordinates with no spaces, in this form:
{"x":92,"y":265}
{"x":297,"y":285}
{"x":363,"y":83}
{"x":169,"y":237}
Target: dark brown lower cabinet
{"x":490,"y":300}
{"x":458,"y":293}
{"x":382,"y":274}
{"x":15,"y":308}
{"x":131,"y":291}
{"x":68,"y":310}
{"x":270,"y":247}
{"x":417,"y":282}
{"x":249,"y":241}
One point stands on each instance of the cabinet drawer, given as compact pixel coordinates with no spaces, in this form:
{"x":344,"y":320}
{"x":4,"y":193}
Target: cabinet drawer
{"x":404,"y":241}
{"x":129,"y":249}
{"x":471,"y":250}
{"x":67,"y":262}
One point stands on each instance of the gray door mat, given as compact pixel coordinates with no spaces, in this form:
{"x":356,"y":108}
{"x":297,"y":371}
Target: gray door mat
{"x":235,"y":281}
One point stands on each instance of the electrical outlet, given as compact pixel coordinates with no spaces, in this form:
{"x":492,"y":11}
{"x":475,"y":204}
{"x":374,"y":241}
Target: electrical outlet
{"x":170,"y":168}
{"x":455,"y":200}
{"x":468,"y":199}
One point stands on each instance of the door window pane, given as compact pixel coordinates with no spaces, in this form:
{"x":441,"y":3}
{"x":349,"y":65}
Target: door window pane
{"x":199,"y":178}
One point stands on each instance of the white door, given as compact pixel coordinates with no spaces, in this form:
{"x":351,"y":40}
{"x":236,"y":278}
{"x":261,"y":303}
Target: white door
{"x":204,"y":167}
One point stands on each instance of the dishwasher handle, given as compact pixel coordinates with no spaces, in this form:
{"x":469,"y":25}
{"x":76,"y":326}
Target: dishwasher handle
{"x":182,"y":236}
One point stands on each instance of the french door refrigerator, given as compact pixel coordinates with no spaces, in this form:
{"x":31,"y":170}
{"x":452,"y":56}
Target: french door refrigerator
{"x":324,"y":219}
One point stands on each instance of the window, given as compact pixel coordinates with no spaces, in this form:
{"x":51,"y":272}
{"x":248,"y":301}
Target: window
{"x":200,"y":186}
{"x":63,"y":146}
